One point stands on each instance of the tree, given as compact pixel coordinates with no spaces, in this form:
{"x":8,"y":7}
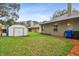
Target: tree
{"x":1,"y":22}
{"x":10,"y":22}
{"x":59,"y":13}
{"x":29,"y":23}
{"x":9,"y":10}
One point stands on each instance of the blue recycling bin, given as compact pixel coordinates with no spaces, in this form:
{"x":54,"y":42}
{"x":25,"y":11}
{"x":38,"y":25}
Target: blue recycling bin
{"x":68,"y":34}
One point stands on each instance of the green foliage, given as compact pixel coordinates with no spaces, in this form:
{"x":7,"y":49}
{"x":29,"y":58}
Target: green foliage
{"x":75,"y":34}
{"x":9,"y":10}
{"x":2,"y":22}
{"x":59,"y":13}
{"x":10,"y":22}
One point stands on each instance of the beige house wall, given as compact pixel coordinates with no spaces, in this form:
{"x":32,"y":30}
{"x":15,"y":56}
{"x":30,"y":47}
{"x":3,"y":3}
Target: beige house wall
{"x":49,"y":28}
{"x":62,"y":27}
{"x":76,"y":25}
{"x":35,"y":29}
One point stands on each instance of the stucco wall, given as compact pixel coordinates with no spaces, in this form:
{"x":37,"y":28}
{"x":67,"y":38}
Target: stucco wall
{"x":62,"y":27}
{"x":76,"y":25}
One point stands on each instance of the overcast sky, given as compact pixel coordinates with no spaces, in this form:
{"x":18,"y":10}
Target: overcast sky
{"x":40,"y":11}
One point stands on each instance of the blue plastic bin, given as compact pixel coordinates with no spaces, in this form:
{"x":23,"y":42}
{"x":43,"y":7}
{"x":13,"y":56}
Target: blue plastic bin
{"x":68,"y":34}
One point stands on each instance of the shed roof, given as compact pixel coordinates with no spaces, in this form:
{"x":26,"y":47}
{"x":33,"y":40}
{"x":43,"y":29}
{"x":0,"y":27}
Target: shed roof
{"x":17,"y":26}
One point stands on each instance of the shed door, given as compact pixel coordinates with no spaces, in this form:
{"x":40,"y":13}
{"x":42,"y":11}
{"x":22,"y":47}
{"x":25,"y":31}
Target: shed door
{"x":18,"y":32}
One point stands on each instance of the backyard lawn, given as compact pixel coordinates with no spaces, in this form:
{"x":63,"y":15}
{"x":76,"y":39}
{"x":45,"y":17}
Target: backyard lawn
{"x":34,"y":45}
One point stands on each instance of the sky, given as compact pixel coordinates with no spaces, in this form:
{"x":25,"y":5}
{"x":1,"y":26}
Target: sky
{"x":41,"y":11}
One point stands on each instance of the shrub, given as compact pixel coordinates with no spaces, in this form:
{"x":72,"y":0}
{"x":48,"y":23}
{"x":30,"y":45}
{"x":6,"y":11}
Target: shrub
{"x":76,"y":34}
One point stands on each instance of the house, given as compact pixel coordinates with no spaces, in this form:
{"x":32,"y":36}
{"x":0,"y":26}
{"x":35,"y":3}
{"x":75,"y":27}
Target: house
{"x":34,"y":26}
{"x":17,"y":30}
{"x":61,"y":23}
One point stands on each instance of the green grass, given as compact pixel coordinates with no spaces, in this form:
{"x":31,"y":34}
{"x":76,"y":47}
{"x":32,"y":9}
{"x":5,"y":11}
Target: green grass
{"x":34,"y":45}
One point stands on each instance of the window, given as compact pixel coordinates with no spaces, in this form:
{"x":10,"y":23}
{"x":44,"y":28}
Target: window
{"x":55,"y":28}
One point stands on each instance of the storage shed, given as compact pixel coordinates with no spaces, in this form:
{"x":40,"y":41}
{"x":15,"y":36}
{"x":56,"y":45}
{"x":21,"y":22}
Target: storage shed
{"x":17,"y":30}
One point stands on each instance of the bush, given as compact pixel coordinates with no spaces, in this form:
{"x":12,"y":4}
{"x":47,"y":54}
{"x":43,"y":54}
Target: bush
{"x":76,"y":34}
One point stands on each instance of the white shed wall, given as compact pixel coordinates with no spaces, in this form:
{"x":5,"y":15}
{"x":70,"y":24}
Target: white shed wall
{"x":17,"y":30}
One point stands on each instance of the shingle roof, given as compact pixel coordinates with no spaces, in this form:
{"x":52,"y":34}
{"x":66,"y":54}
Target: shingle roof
{"x":74,"y":14}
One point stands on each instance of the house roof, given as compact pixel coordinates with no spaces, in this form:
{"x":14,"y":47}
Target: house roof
{"x":34,"y":26}
{"x":74,"y":14}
